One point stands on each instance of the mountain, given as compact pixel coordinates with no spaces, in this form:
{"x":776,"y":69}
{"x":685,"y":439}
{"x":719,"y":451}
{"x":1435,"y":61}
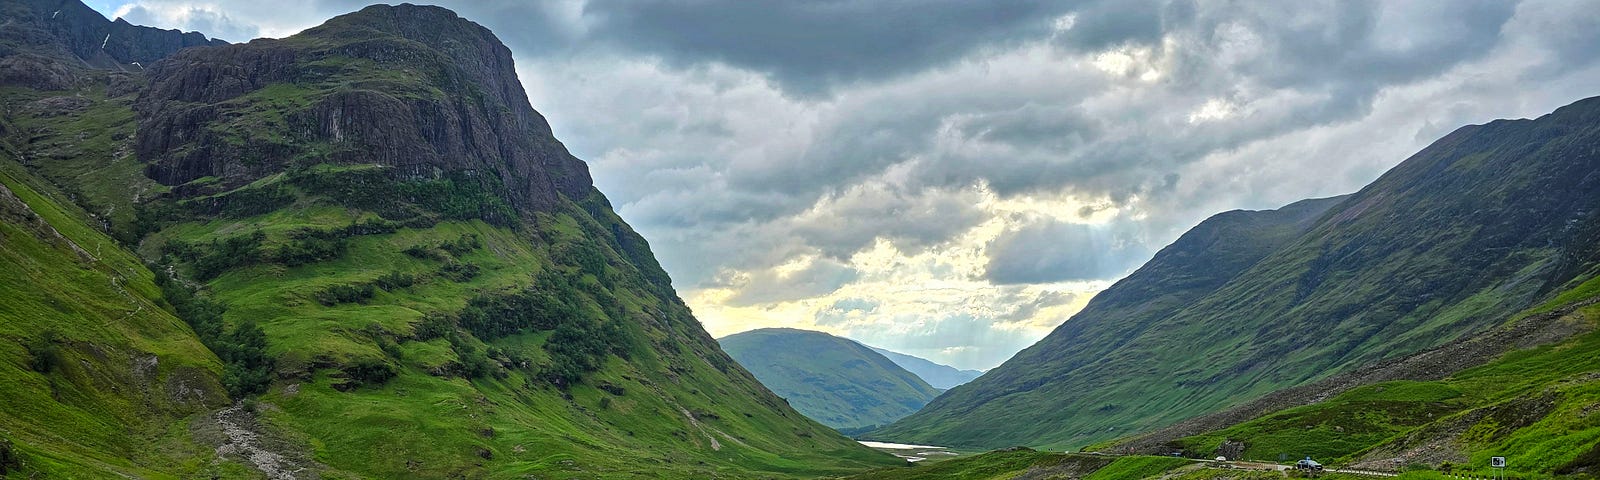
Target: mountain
{"x":1520,"y":390}
{"x":355,"y":252}
{"x":836,"y":381}
{"x":1483,"y":223}
{"x":95,"y":369}
{"x":49,"y":43}
{"x":943,"y":377}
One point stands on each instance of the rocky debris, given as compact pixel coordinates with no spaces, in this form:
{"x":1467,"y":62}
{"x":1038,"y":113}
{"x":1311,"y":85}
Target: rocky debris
{"x":1442,"y":442}
{"x":715,"y":445}
{"x":242,"y":437}
{"x":120,"y":84}
{"x":144,"y":369}
{"x":193,"y":387}
{"x":1231,"y":449}
{"x":57,"y":106}
{"x":37,"y":72}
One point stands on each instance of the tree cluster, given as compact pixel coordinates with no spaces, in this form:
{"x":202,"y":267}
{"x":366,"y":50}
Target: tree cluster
{"x":247,"y":369}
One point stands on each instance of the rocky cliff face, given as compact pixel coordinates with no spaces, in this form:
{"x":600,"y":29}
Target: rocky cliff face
{"x":46,"y":44}
{"x":410,"y":87}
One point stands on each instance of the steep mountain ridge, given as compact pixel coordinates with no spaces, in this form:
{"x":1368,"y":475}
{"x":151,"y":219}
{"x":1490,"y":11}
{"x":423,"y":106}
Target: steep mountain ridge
{"x":50,"y":44}
{"x":836,"y":381}
{"x":396,"y":263}
{"x":1486,"y":221}
{"x":940,"y":376}
{"x":411,"y":88}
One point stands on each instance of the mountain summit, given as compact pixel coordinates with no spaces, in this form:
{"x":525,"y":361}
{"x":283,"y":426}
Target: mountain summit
{"x":1483,"y":223}
{"x":366,"y":238}
{"x":413,"y":89}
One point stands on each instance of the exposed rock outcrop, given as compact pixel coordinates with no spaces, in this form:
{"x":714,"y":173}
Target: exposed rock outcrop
{"x":410,"y":87}
{"x":47,"y":44}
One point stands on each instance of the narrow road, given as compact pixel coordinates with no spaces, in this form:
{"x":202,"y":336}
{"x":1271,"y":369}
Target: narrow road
{"x":1365,"y":472}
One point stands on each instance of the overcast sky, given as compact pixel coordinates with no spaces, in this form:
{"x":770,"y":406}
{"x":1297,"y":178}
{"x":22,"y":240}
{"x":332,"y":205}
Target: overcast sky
{"x":952,"y":178}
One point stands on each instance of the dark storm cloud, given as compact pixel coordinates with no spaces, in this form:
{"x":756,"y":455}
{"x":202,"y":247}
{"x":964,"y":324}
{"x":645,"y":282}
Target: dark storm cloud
{"x":809,"y":45}
{"x":1364,"y":44}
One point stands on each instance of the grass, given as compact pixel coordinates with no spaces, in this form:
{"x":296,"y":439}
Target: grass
{"x":86,"y":151}
{"x":97,"y":413}
{"x":1532,"y":405}
{"x":430,"y":420}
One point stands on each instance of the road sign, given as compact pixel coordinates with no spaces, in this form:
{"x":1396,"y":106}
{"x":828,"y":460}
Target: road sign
{"x":1497,"y":462}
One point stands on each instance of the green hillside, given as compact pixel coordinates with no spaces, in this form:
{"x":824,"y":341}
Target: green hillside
{"x":836,"y":381}
{"x":96,"y":375}
{"x":366,"y":235}
{"x":1487,"y":221}
{"x":1533,"y":406}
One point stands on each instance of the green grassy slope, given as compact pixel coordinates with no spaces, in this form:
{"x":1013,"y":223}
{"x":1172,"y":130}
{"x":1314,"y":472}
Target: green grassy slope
{"x":836,"y":381}
{"x":375,"y":392}
{"x":454,"y":322}
{"x":97,"y":378}
{"x":1486,"y":222}
{"x":1197,"y":264}
{"x":1534,"y":406}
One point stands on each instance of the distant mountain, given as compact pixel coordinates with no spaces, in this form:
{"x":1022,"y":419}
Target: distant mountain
{"x":363,"y":232}
{"x":1483,"y":223}
{"x":943,"y":377}
{"x":836,"y":381}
